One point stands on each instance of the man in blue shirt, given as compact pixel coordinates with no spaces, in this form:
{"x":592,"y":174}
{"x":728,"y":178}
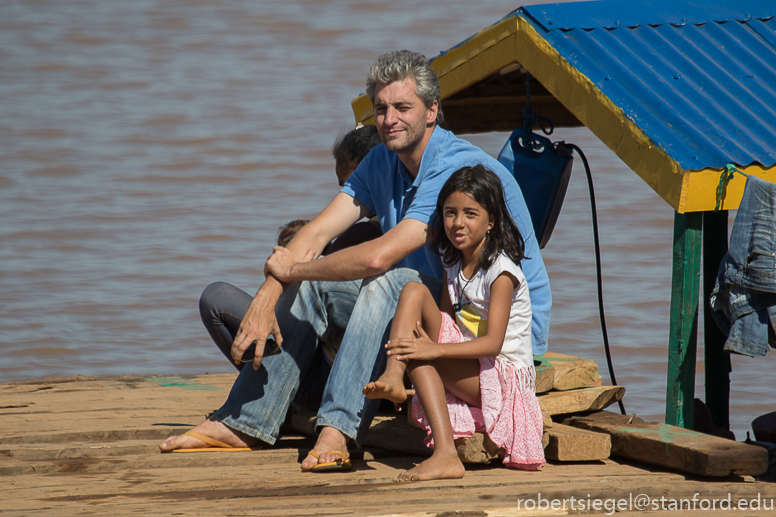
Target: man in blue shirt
{"x":351,"y":295}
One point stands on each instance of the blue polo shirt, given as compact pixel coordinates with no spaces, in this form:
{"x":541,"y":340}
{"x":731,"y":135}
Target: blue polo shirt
{"x":384,"y":185}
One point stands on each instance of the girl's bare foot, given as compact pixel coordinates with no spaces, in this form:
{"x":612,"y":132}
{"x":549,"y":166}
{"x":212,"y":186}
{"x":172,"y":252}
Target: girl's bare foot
{"x":388,"y":386}
{"x":212,"y":429}
{"x":438,"y":466}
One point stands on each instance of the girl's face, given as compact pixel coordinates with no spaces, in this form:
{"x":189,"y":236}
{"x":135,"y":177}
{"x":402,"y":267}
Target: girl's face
{"x":466,"y":223}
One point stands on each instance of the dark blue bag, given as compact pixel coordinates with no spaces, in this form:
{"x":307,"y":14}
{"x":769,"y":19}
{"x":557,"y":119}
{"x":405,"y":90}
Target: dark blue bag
{"x":542,"y":169}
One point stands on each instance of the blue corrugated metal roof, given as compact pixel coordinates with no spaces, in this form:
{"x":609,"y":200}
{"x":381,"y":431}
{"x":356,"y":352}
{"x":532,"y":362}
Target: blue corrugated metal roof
{"x":632,"y":13}
{"x":699,"y":79}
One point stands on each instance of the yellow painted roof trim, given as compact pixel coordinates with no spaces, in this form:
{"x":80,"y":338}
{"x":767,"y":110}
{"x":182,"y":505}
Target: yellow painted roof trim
{"x":514,"y":40}
{"x":704,"y":183}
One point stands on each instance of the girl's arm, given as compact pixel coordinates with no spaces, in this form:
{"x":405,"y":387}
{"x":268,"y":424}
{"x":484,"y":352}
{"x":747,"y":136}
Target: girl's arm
{"x":424,"y":349}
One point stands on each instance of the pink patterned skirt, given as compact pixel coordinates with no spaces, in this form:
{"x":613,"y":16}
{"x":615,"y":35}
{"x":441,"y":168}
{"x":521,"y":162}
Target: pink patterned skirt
{"x":510,"y":413}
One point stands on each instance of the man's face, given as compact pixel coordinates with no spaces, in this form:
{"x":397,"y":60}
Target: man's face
{"x":400,"y":116}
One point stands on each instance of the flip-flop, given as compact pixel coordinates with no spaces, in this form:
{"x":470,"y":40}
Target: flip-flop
{"x":213,"y":445}
{"x":340,"y":465}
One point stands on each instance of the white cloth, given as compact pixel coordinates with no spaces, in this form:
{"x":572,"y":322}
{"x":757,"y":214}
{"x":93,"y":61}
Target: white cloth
{"x":472,"y":319}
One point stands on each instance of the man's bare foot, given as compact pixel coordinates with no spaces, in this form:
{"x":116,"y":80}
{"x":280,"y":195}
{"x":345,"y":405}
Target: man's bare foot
{"x":212,"y":429}
{"x":388,"y":386}
{"x":330,"y":439}
{"x":438,"y":466}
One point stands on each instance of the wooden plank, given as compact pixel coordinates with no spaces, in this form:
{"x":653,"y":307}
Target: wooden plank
{"x":576,"y":401}
{"x":573,"y":444}
{"x":106,"y":409}
{"x":477,"y":449}
{"x":675,"y":447}
{"x":148,"y":459}
{"x":114,"y":474}
{"x":545,"y":375}
{"x":365,"y":491}
{"x":547,"y":423}
{"x":572,"y":372}
{"x":682,"y":343}
{"x":546,"y":420}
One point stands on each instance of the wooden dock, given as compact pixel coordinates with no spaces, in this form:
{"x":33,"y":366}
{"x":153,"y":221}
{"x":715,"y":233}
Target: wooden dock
{"x":88,"y":446}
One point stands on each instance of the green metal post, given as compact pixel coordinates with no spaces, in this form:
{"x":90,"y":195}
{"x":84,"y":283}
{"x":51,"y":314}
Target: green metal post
{"x":685,"y":286}
{"x":717,"y":379}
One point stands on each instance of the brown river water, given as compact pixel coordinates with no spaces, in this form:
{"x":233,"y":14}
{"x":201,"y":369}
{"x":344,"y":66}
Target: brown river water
{"x":150,"y":147}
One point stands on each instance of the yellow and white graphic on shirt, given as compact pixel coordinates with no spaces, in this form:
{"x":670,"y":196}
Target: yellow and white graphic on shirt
{"x":471,"y":319}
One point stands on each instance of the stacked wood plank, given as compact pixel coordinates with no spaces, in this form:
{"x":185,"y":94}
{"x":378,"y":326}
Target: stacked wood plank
{"x":570,"y":372}
{"x":568,"y":443}
{"x":576,"y":388}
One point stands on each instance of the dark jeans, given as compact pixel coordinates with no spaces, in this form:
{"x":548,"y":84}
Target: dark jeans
{"x":222,"y":307}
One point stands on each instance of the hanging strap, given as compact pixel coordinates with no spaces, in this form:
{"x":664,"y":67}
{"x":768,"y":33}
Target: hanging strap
{"x":727,"y":175}
{"x":531,"y":118}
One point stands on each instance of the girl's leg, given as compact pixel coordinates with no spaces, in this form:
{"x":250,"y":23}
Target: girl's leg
{"x":415,"y":304}
{"x":462,"y":375}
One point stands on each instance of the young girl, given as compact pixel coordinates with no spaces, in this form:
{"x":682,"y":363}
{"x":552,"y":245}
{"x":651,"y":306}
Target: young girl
{"x":478,"y":374}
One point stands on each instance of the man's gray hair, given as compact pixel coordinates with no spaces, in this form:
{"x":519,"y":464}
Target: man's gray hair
{"x":401,"y":64}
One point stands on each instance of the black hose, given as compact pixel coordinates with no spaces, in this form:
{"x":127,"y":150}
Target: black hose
{"x":598,"y":269}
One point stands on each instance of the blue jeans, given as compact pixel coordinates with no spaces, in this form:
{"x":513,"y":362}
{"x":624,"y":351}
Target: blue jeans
{"x":357,"y":314}
{"x":744,"y":298}
{"x":222,"y":307}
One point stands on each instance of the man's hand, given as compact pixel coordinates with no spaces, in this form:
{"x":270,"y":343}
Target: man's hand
{"x":418,"y":348}
{"x":258,"y":323}
{"x":280,"y":263}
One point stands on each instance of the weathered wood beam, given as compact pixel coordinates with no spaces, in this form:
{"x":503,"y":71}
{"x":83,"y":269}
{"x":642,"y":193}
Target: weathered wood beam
{"x":571,"y":372}
{"x":675,"y":447}
{"x":545,"y":375}
{"x":682,"y":342}
{"x":573,"y":444}
{"x":477,"y":449}
{"x":575,"y":401}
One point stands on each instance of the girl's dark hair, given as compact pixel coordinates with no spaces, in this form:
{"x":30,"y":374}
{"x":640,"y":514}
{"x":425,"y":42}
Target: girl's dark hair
{"x":353,"y":146}
{"x":485,"y":188}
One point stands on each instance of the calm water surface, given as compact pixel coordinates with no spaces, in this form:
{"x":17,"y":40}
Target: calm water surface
{"x":150,"y":147}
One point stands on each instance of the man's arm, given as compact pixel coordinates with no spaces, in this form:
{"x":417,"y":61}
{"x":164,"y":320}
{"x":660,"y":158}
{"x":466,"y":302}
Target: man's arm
{"x":259,"y":320}
{"x":339,"y":215}
{"x":354,"y":263}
